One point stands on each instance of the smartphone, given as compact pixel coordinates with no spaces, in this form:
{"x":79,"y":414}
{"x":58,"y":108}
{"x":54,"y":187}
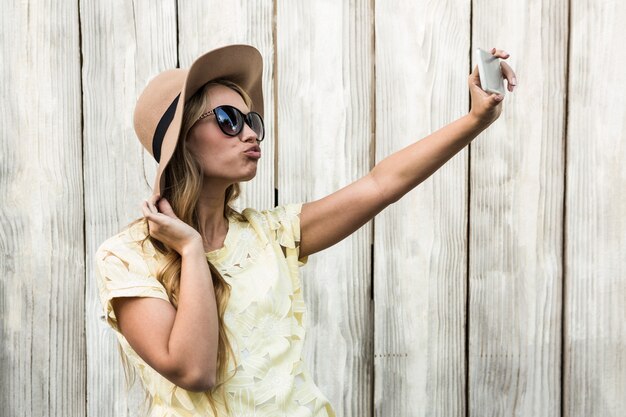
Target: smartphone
{"x":490,"y":73}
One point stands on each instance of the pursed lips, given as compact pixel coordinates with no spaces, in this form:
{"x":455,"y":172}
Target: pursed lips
{"x":253,"y":151}
{"x":254,"y":148}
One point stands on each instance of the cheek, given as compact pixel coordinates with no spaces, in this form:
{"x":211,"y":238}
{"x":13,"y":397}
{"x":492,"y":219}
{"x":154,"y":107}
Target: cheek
{"x":201,"y":144}
{"x":216,"y":156}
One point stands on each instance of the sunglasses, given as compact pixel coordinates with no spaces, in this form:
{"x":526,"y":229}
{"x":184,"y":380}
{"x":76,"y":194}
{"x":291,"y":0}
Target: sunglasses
{"x":230,"y":120}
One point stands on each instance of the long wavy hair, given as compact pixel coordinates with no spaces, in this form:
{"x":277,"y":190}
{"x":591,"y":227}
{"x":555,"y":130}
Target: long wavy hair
{"x":183,"y":184}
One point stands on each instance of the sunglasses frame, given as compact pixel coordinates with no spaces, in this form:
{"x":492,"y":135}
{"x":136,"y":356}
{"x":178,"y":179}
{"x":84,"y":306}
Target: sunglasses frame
{"x":245,"y":118}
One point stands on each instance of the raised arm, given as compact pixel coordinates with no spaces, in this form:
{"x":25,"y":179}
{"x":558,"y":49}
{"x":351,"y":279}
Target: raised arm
{"x":329,"y":220}
{"x":402,"y":171}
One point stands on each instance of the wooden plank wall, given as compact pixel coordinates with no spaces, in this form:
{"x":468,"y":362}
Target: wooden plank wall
{"x":516,"y":217}
{"x":124,"y":44}
{"x":594,"y":351}
{"x":497,"y":287}
{"x":420,"y":242}
{"x":324,"y":93}
{"x":42,"y":262}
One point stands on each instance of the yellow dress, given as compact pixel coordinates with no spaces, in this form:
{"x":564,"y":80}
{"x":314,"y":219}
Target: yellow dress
{"x":265,"y":315}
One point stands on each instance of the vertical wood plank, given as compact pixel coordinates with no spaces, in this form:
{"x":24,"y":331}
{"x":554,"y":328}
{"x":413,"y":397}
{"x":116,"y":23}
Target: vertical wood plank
{"x":124,"y":45}
{"x":324,"y":94}
{"x":205,"y":25}
{"x":420,"y":248}
{"x":516,"y":217}
{"x":595,"y":254}
{"x":42,"y":353}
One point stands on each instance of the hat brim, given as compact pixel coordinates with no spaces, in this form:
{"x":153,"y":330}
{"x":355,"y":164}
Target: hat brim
{"x":240,"y":63}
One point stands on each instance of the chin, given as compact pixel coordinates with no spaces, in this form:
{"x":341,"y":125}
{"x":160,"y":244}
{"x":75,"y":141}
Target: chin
{"x":248,"y":177}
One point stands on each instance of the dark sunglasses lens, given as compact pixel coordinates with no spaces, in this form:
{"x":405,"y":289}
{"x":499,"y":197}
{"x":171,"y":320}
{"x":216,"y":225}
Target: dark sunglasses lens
{"x":256,"y":123}
{"x":229,"y":120}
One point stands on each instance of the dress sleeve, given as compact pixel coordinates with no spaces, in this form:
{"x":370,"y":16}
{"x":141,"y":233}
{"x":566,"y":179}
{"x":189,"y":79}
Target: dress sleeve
{"x":124,"y":269}
{"x":284,"y":223}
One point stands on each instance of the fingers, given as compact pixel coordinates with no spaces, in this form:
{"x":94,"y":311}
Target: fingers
{"x":149,"y":208}
{"x":152,"y":206}
{"x":499,"y":53}
{"x":474,"y":78}
{"x":507,"y":71}
{"x":475,"y":72}
{"x":145,"y":209}
{"x":156,"y":205}
{"x":496,"y":99}
{"x":474,"y":83}
{"x":149,"y":211}
{"x":509,"y":74}
{"x":165,"y":208}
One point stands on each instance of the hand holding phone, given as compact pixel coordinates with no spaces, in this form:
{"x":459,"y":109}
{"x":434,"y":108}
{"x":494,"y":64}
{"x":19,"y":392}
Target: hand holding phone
{"x":486,"y":84}
{"x":490,"y":73}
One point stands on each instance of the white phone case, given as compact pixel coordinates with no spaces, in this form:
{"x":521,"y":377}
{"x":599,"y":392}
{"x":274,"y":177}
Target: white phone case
{"x":489,"y":71}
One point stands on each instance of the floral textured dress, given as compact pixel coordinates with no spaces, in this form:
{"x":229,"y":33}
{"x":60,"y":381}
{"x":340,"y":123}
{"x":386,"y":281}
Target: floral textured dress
{"x":265,"y":317}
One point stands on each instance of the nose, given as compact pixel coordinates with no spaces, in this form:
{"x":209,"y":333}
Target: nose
{"x":248,"y":134}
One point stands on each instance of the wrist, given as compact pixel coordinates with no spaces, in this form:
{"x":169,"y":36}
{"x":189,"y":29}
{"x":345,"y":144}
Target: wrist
{"x":476,"y":122}
{"x":192,"y":247}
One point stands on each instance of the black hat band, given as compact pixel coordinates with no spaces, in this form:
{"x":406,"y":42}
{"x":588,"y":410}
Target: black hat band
{"x":164,"y":123}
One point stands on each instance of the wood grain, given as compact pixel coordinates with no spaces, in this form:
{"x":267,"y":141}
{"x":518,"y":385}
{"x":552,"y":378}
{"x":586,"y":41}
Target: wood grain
{"x":594,"y":377}
{"x":124,"y":45}
{"x":516,"y":218}
{"x":42,"y":353}
{"x":324,"y":92}
{"x":420,"y":246}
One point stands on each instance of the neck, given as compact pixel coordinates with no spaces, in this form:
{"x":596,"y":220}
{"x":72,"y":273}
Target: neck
{"x":213,"y":225}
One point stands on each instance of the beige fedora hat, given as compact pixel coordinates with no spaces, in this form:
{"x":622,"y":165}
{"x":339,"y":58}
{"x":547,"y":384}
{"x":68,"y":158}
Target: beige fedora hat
{"x":160,"y":106}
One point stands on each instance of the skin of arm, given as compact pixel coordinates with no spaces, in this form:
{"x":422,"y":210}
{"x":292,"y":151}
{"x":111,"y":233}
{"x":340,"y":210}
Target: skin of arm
{"x":179,"y":344}
{"x":329,"y":220}
{"x":404,"y":170}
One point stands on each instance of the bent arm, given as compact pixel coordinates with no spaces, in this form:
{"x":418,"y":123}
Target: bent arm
{"x":404,"y":170}
{"x":179,"y":344}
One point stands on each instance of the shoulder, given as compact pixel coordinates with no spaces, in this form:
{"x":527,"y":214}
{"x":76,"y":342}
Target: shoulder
{"x":129,"y":244}
{"x":273,"y":216}
{"x":126,"y":266}
{"x":127,"y":262}
{"x":280,"y":223}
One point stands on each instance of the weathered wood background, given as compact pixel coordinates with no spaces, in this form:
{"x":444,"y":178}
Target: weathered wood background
{"x":495,"y":288}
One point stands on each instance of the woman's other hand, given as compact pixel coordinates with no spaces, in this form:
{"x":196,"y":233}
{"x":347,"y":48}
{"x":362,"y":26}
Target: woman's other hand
{"x":486,"y":107}
{"x":164,"y":225}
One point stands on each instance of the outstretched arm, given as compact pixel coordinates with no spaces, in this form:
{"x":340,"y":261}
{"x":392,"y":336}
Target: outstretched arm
{"x":404,"y":170}
{"x":329,"y":220}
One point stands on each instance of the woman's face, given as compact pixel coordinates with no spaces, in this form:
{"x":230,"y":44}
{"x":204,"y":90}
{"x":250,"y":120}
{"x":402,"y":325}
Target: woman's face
{"x":221,"y":156}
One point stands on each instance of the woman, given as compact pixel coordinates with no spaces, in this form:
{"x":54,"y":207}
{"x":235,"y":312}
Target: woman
{"x":206,"y":301}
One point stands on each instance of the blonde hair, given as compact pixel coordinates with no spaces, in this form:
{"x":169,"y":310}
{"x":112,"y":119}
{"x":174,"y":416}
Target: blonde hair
{"x":183,"y":183}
